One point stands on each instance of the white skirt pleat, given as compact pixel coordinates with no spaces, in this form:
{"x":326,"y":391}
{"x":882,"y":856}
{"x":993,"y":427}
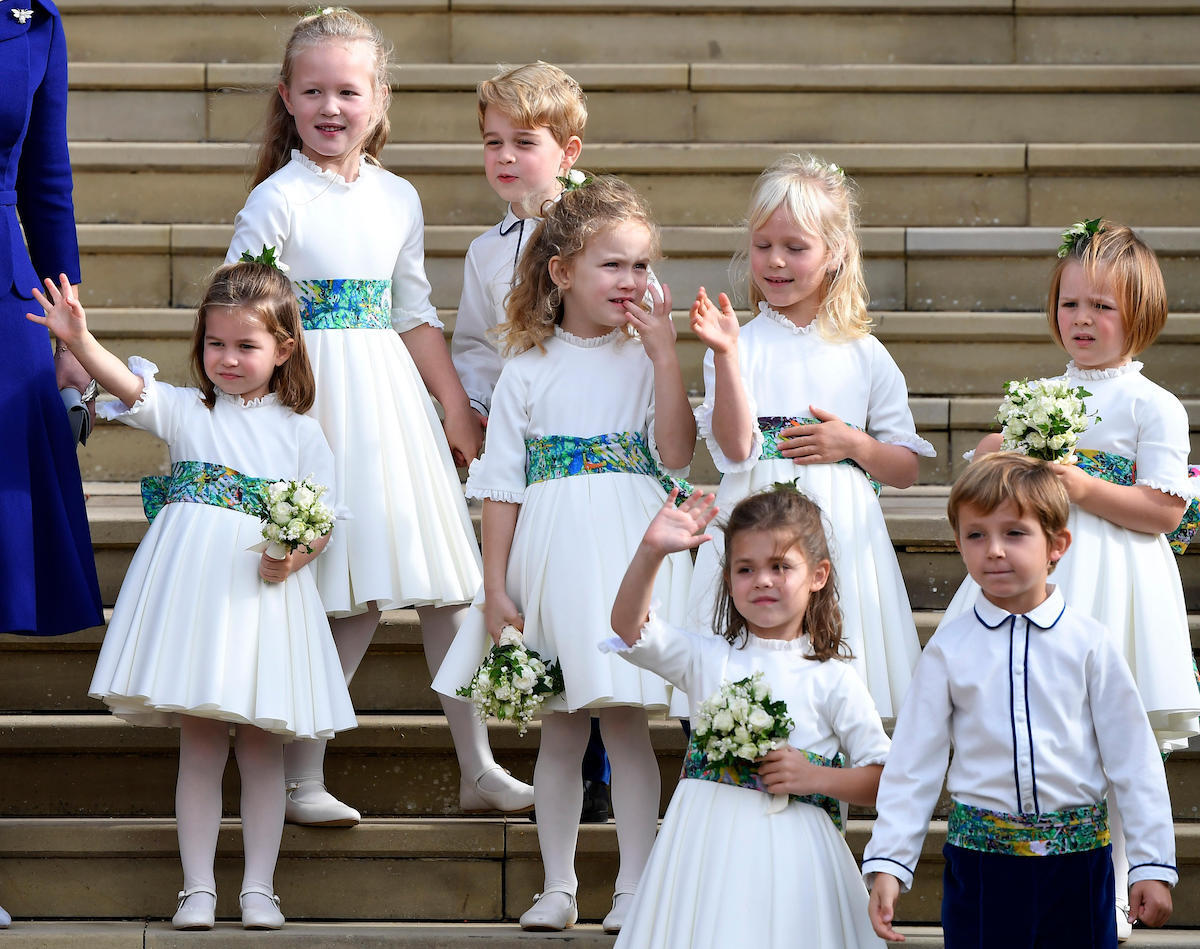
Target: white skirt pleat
{"x":409,"y":540}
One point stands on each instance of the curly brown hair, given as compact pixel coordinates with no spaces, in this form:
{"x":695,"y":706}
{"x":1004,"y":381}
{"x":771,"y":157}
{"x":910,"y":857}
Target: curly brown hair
{"x":534,"y":306}
{"x":328,"y":25}
{"x":263,"y":293}
{"x":796,"y":521}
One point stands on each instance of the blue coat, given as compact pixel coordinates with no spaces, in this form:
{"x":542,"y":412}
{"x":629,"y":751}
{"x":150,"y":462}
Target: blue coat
{"x":47,"y":573}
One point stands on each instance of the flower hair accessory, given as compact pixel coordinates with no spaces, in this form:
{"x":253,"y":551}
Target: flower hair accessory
{"x":793,"y":485}
{"x":574,"y":179}
{"x":836,"y":169}
{"x":1076,"y":234}
{"x":268,"y":256}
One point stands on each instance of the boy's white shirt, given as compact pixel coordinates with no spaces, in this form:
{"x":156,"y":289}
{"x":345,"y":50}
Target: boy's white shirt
{"x":488,"y":273}
{"x":1043,"y":715}
{"x":489,"y":270}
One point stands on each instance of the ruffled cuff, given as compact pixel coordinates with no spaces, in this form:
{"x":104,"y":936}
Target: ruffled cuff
{"x":671,"y":472}
{"x":913,"y":442}
{"x":405,"y":320}
{"x":1187,"y":489}
{"x":703,"y":415}
{"x":615,"y":645}
{"x":483,"y":492}
{"x":651,"y":629}
{"x":114,"y":408}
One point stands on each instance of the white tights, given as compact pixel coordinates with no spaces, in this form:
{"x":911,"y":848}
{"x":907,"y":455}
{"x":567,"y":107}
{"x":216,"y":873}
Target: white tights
{"x":305,"y":760}
{"x":558,"y":792}
{"x":203,"y":752}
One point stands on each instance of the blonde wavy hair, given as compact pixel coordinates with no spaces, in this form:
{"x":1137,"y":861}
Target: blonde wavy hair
{"x":327,"y":25}
{"x":821,"y":201}
{"x":534,"y":306}
{"x":536,"y":95}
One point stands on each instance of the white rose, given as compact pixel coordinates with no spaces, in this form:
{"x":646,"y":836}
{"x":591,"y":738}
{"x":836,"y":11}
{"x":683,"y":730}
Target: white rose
{"x":741,"y":735}
{"x":524,"y":682}
{"x":722,"y":721}
{"x":503,"y":692}
{"x":511,"y":636}
{"x":749,"y":751}
{"x":303,"y":497}
{"x":760,"y":720}
{"x":282,"y":512}
{"x":576,"y":177}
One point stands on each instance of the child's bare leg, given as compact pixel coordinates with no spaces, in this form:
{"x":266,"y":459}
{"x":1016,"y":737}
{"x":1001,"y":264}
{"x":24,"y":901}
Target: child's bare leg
{"x":483,"y":785}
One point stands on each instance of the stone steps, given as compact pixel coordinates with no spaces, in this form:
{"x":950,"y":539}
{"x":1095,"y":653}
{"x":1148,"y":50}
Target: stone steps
{"x":476,"y":870}
{"x":688,"y":184}
{"x":697,"y":101}
{"x":859,"y":31}
{"x":910,"y":268}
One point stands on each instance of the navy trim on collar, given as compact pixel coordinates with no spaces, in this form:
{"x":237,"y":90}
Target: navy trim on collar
{"x":1044,"y":616}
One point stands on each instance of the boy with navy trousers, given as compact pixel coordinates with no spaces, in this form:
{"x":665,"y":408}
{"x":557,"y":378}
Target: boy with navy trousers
{"x":1043,"y":715}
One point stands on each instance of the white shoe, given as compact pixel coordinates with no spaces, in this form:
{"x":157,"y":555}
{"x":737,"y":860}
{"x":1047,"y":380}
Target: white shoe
{"x":260,"y":909}
{"x":308,"y":803}
{"x":197,"y":909}
{"x":552,"y":912}
{"x":622,"y":903}
{"x":1124,"y":926}
{"x":5,"y":919}
{"x":494,"y":790}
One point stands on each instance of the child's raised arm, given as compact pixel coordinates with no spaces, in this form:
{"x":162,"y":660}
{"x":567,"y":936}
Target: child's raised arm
{"x":673,"y":529}
{"x":717,"y":328}
{"x":65,"y":318}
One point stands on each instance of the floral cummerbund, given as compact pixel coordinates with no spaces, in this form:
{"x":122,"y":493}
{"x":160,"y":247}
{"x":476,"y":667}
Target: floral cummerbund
{"x":772,"y":425}
{"x":200,"y":482}
{"x":1074,"y":830}
{"x":745,"y":775}
{"x":564,"y":456}
{"x":1117,"y":469}
{"x":345,"y":304}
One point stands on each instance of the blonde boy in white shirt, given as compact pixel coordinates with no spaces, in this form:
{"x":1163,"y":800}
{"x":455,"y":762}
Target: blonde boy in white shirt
{"x":1044,"y":716}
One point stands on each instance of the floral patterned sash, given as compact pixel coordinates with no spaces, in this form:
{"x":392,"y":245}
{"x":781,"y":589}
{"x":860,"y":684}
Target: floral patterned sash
{"x":772,"y":425}
{"x":200,"y":482}
{"x":1117,"y":469}
{"x":564,"y":456}
{"x":696,"y":767}
{"x":1074,"y":830}
{"x":345,"y":304}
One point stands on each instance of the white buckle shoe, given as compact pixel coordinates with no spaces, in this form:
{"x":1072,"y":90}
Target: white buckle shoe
{"x":195,"y":912}
{"x":261,"y":913}
{"x":551,"y":912}
{"x":494,"y":790}
{"x":310,"y":804}
{"x":621,"y":904}
{"x":1124,"y":926}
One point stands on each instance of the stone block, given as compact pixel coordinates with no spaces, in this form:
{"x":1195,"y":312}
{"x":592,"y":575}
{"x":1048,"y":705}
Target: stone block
{"x":1124,"y":37}
{"x":136,"y":115}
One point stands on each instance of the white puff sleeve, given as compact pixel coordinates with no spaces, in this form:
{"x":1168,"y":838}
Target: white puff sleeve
{"x":889,"y":418}
{"x":160,"y":409}
{"x":499,"y":474}
{"x":1162,"y":445}
{"x":410,"y":287}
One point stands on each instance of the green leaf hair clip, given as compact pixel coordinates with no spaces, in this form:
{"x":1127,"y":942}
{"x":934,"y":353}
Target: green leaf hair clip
{"x":1078,"y":233}
{"x":574,"y":179}
{"x":793,"y":485}
{"x":268,"y":256}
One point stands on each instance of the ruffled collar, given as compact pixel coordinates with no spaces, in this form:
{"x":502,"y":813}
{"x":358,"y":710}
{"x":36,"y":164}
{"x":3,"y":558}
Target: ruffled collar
{"x":776,"y":317}
{"x":1095,"y":375}
{"x":799,"y":644}
{"x":588,"y":342}
{"x":269,"y":399}
{"x":305,"y":162}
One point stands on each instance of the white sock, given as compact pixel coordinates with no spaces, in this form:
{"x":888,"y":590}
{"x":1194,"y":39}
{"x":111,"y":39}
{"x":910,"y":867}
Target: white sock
{"x":260,"y":764}
{"x":203,"y":752}
{"x":635,"y":789}
{"x":558,"y":795}
{"x":439,"y":624}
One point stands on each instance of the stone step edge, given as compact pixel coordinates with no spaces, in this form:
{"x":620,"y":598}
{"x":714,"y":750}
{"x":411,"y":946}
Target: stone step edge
{"x":689,"y":157}
{"x":452,"y":240}
{"x":890,"y":325}
{"x":407,"y":837}
{"x":702,"y":77}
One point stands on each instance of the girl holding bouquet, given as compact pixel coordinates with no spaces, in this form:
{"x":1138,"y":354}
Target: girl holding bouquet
{"x":197,"y":638}
{"x":749,"y":851}
{"x":1129,"y":485}
{"x":804,"y":391}
{"x":585,"y":422}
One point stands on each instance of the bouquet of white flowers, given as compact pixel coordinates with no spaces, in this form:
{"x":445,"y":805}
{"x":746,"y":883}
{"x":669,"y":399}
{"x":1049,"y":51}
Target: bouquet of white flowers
{"x":296,"y":517}
{"x":1044,"y":418}
{"x":741,"y":722}
{"x":512,"y":682}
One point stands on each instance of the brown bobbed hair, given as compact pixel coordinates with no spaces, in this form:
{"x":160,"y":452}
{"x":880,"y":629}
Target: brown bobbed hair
{"x":536,"y":95}
{"x":265,"y":295}
{"x":796,"y":521}
{"x":1116,"y":257}
{"x":328,"y":25}
{"x":534,"y":306}
{"x":1029,"y":483}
